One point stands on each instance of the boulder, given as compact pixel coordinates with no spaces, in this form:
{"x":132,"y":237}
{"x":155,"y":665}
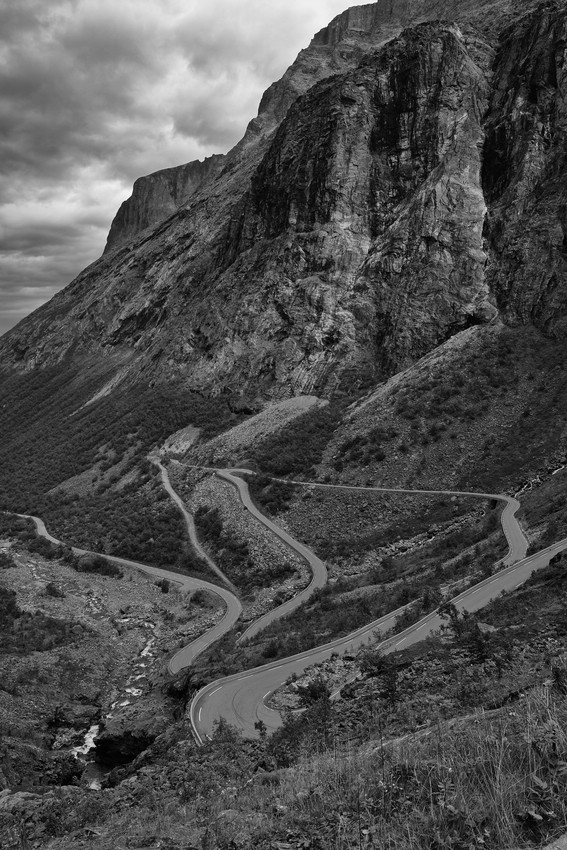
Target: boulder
{"x":76,"y":715}
{"x":127,"y":735}
{"x":13,"y":802}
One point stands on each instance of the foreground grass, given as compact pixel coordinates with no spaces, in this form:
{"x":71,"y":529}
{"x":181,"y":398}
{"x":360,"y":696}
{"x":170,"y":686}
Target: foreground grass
{"x":495,"y":783}
{"x":491,"y":782}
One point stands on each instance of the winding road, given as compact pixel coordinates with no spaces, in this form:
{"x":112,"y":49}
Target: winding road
{"x":187,"y":654}
{"x":190,"y":523}
{"x":517,"y":541}
{"x":318,"y":568}
{"x":241,"y":698}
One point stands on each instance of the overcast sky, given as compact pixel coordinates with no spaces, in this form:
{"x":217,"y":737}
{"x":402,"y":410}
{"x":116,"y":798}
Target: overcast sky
{"x":94,"y":93}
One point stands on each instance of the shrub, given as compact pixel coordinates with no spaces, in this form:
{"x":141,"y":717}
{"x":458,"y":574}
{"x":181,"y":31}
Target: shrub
{"x":6,"y":561}
{"x":22,"y":632}
{"x":98,"y":564}
{"x":51,"y":589}
{"x":199,"y":598}
{"x":272,"y":496}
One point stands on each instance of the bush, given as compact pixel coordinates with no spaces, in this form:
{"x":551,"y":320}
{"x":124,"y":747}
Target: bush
{"x":22,"y":632}
{"x":6,"y":561}
{"x":98,"y":564}
{"x":273,"y":497}
{"x":45,"y":548}
{"x":199,"y":598}
{"x":51,"y":589}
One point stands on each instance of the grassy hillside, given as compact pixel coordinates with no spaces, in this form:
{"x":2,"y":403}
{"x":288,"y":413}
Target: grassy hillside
{"x":81,"y":464}
{"x":53,"y":430}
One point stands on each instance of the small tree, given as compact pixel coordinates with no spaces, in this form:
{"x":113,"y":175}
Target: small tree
{"x":465,"y":631}
{"x":314,"y":691}
{"x":261,"y":728}
{"x":374,"y":664}
{"x":51,"y":589}
{"x":6,"y":561}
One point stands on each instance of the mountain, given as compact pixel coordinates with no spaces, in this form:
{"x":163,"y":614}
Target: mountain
{"x":158,"y":195}
{"x":372,"y":210}
{"x":368,"y":291}
{"x":399,"y":196}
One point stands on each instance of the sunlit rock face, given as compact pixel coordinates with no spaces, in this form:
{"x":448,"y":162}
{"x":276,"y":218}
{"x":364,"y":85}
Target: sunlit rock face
{"x":402,"y":182}
{"x":158,"y":195}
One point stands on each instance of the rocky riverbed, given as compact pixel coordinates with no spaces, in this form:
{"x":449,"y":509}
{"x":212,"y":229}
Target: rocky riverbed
{"x":100,"y":691}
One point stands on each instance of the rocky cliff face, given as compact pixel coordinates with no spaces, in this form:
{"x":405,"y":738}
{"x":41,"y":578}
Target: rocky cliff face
{"x":524,"y":173}
{"x":396,"y":187}
{"x":158,"y":196}
{"x":335,"y":49}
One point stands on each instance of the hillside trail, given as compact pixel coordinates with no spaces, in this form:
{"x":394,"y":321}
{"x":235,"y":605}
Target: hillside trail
{"x":190,"y":524}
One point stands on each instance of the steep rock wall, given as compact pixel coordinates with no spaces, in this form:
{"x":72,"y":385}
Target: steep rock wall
{"x":368,"y":210}
{"x":158,"y":195}
{"x":525,"y":176}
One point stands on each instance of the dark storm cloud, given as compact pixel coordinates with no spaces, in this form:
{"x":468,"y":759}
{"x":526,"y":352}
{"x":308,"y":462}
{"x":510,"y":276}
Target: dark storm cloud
{"x":94,"y":93}
{"x":64,"y":86}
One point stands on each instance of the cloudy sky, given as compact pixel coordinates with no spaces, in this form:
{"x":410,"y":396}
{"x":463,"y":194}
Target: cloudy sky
{"x":94,"y":93}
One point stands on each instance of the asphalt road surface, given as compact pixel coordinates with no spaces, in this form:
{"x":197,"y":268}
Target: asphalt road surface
{"x":241,"y":699}
{"x":517,"y":541}
{"x":318,"y":568}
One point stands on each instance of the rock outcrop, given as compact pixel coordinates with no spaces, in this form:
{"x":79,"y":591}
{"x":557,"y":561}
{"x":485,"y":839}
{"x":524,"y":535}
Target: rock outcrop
{"x":524,"y":175}
{"x":402,"y":181}
{"x":127,"y":735}
{"x":159,"y":195}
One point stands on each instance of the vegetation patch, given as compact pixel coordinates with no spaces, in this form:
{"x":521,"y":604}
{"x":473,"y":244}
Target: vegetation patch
{"x":232,"y":553}
{"x":493,"y":782}
{"x":6,"y":561}
{"x":23,"y":632}
{"x":50,"y":432}
{"x":272,"y":497}
{"x":362,"y":449}
{"x":298,"y":447}
{"x":139,"y":523}
{"x":544,"y":507}
{"x":97,"y":564}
